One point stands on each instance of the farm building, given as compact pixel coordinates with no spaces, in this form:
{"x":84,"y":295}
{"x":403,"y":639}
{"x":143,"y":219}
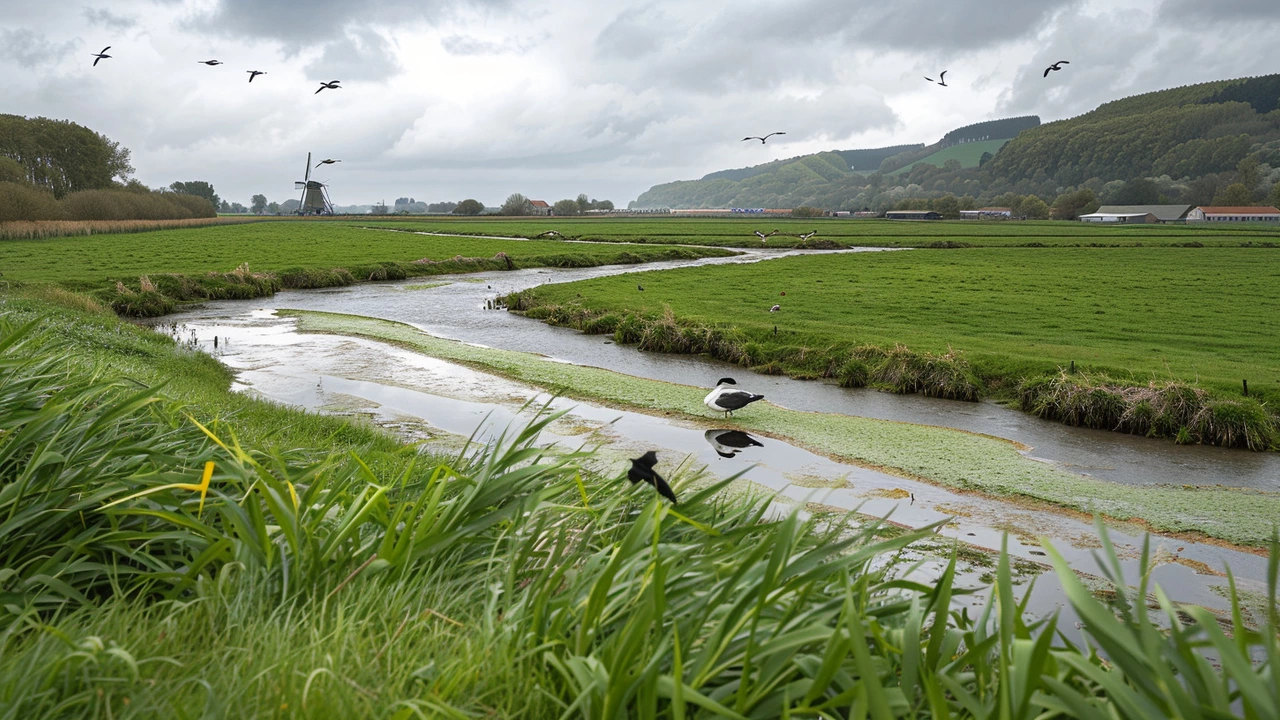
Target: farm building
{"x":1128,"y":214}
{"x":913,"y":215}
{"x":540,"y":207}
{"x":987,"y":213}
{"x":1233,"y":214}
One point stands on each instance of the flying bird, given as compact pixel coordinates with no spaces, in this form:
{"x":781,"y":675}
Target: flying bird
{"x":331,"y":85}
{"x":763,"y":237}
{"x":806,"y":236}
{"x":1056,"y":66}
{"x":100,"y":56}
{"x":327,"y":161}
{"x":642,"y":469}
{"x":775,"y":308}
{"x":728,"y":443}
{"x":942,"y":79}
{"x":211,"y":63}
{"x":762,"y":139}
{"x":551,"y":233}
{"x":254,"y":73}
{"x":726,"y":398}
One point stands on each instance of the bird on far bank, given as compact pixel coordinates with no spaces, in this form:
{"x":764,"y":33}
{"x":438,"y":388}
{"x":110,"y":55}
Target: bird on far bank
{"x":775,"y":308}
{"x":551,"y":233}
{"x":806,"y":236}
{"x":327,"y":161}
{"x":100,"y":56}
{"x":642,"y":469}
{"x":640,"y":288}
{"x":210,"y":63}
{"x":763,"y":237}
{"x":761,"y":139}
{"x":726,"y":397}
{"x":728,"y":443}
{"x":331,"y":85}
{"x":1056,"y":66}
{"x":942,"y":79}
{"x":254,"y":73}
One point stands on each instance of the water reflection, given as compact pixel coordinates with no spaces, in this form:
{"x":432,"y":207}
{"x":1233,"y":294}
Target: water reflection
{"x":728,"y":442}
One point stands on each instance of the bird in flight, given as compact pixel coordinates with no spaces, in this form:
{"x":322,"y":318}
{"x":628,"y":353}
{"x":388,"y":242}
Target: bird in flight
{"x":331,"y":85}
{"x":211,"y":63}
{"x":254,"y":73}
{"x":942,"y":79}
{"x":551,"y":233}
{"x":100,"y":56}
{"x":806,"y":236}
{"x":726,"y":398}
{"x":327,"y":161}
{"x":762,"y":139}
{"x":1056,"y":66}
{"x":763,"y":237}
{"x":642,"y":469}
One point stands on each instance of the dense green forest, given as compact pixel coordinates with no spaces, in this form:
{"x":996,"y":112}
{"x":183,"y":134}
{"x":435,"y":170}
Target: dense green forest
{"x":58,"y":170}
{"x":1211,"y":143}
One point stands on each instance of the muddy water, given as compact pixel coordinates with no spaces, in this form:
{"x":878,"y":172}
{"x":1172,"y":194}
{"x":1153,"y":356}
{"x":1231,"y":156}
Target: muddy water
{"x":457,"y":310}
{"x":437,"y":401}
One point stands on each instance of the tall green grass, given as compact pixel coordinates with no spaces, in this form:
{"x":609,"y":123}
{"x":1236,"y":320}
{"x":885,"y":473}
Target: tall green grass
{"x":151,"y":565}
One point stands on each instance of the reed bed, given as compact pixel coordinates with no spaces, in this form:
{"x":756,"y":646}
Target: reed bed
{"x":153,"y":565}
{"x":1169,"y":409}
{"x":46,"y":229}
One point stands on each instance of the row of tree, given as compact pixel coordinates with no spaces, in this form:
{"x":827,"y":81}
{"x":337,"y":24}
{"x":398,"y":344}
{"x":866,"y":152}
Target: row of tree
{"x":60,"y":156}
{"x":517,"y":204}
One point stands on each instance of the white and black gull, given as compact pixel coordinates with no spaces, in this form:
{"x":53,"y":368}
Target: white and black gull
{"x":728,"y":442}
{"x":726,"y":397}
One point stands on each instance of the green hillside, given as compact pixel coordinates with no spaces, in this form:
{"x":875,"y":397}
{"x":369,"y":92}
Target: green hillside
{"x":969,"y":154}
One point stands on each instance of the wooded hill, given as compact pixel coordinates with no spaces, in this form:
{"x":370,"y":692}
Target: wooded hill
{"x":1185,"y":144}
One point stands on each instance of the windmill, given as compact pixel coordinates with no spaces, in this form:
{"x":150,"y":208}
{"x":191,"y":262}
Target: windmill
{"x":315,"y":198}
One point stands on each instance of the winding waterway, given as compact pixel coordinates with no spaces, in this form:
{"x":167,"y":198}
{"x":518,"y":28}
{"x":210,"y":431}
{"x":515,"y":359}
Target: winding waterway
{"x":436,"y":400}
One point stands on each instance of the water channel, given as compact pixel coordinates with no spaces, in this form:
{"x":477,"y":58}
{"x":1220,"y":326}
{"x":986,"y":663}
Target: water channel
{"x":428,"y":398}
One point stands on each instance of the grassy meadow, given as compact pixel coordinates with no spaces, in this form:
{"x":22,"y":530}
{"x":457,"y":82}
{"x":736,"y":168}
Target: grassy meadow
{"x":171,"y":549}
{"x":251,"y":259}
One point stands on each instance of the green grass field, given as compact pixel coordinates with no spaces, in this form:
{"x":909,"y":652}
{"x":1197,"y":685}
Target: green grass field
{"x":845,"y":232}
{"x":1207,"y":316}
{"x":969,"y":154}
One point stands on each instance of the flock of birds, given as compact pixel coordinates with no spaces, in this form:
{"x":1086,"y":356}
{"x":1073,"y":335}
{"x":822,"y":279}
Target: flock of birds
{"x":331,"y":85}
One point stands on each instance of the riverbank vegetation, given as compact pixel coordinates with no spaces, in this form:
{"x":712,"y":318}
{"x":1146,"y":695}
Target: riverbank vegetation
{"x":150,"y":273}
{"x":184,"y":551}
{"x":1028,"y":324}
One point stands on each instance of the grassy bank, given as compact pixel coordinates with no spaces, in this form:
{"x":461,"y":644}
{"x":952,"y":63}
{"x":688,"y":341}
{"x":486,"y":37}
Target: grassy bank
{"x":977,"y":321}
{"x":938,"y":455}
{"x":295,"y":580}
{"x":147,"y":274}
{"x":837,"y":232}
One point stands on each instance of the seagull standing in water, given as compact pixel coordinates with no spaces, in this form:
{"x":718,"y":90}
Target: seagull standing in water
{"x":642,"y":469}
{"x":100,"y":56}
{"x":727,"y":397}
{"x":762,"y":139}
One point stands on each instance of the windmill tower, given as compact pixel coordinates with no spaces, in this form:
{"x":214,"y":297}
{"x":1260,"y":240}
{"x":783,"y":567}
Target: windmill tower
{"x":315,"y":198}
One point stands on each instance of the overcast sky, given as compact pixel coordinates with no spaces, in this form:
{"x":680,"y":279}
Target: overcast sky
{"x":447,"y":99}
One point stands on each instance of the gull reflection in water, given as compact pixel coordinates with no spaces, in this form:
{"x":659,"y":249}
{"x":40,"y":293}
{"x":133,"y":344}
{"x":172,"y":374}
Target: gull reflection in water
{"x":728,"y":442}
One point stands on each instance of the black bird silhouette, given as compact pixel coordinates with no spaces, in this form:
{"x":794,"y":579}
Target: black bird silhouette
{"x":327,"y":161}
{"x":211,"y":63}
{"x":254,"y":73}
{"x":331,"y":85}
{"x":763,"y":237}
{"x":806,"y":236}
{"x":100,"y":56}
{"x":640,"y":288}
{"x":642,"y":469}
{"x":762,"y":139}
{"x":942,"y":79}
{"x":1056,"y":66}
